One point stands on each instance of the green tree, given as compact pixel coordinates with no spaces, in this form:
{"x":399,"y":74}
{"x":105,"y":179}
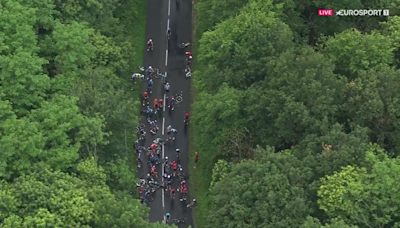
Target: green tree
{"x":352,"y":51}
{"x":373,"y":101}
{"x":334,"y":149}
{"x":217,"y":116}
{"x":53,"y":198}
{"x":364,"y":196}
{"x":259,"y":194}
{"x":72,"y":47}
{"x":22,"y":80}
{"x":220,"y":170}
{"x":35,"y":194}
{"x":315,"y":223}
{"x":301,"y":96}
{"x":237,"y":51}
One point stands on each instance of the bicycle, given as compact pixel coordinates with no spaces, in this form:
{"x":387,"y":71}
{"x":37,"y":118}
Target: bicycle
{"x":184,"y":45}
{"x":158,"y":75}
{"x":178,"y":97}
{"x":180,"y":220}
{"x":189,"y":74}
{"x":191,"y":205}
{"x":141,"y":183}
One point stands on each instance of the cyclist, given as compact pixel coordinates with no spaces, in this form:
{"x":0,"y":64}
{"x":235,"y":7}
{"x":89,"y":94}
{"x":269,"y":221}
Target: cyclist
{"x":192,"y":204}
{"x":153,"y":130}
{"x":136,"y":145}
{"x":188,"y":63}
{"x":184,"y":194}
{"x":142,"y":134}
{"x":167,"y":216}
{"x":188,"y":53}
{"x":178,"y":152}
{"x":168,"y":33}
{"x":155,"y":104}
{"x":145,"y":97}
{"x":180,"y":169}
{"x":160,"y":103}
{"x":165,"y":175}
{"x":149,"y":112}
{"x":171,"y":103}
{"x":167,"y":87}
{"x":154,"y":146}
{"x":186,"y":118}
{"x":174,"y":168}
{"x":169,"y":131}
{"x":172,"y":193}
{"x":139,"y":160}
{"x":135,"y":76}
{"x":164,"y":78}
{"x":174,"y":131}
{"x":150,"y":85}
{"x":181,"y":174}
{"x":149,"y":71}
{"x":153,"y":172}
{"x":149,"y":45}
{"x":148,"y":177}
{"x":169,"y":182}
{"x":182,"y":185}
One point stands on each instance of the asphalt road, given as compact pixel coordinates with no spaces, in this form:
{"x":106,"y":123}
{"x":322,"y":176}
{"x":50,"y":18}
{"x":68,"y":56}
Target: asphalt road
{"x":169,"y":58}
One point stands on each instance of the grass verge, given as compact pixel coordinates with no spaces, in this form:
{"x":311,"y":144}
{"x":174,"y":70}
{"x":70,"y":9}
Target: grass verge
{"x":201,"y":176}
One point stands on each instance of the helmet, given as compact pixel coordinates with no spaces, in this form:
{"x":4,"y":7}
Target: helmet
{"x":166,"y":158}
{"x":148,"y":174}
{"x":155,"y":121}
{"x":184,"y":182}
{"x":180,"y":169}
{"x":155,"y":99}
{"x":178,"y":150}
{"x":150,"y":40}
{"x":194,"y":200}
{"x":169,"y":176}
{"x":190,"y":57}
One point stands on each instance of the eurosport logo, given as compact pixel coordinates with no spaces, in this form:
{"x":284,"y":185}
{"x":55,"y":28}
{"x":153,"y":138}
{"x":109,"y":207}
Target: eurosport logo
{"x":351,"y":12}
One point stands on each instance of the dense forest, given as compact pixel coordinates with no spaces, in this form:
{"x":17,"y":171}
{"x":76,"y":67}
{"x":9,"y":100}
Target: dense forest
{"x":67,"y":113}
{"x":296,"y":117}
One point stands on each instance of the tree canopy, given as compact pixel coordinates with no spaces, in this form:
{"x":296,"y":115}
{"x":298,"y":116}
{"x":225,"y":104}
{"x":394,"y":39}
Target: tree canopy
{"x":67,"y":113}
{"x":319,"y":93}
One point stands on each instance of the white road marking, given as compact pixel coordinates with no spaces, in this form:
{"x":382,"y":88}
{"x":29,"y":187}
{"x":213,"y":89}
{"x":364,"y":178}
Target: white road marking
{"x":166,"y":57}
{"x":165,"y":97}
{"x":168,"y":23}
{"x":163,"y":124}
{"x":162,"y":172}
{"x":169,"y":7}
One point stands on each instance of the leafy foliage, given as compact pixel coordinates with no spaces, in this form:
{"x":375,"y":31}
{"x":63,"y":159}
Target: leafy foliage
{"x":66,"y":111}
{"x":322,"y":91}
